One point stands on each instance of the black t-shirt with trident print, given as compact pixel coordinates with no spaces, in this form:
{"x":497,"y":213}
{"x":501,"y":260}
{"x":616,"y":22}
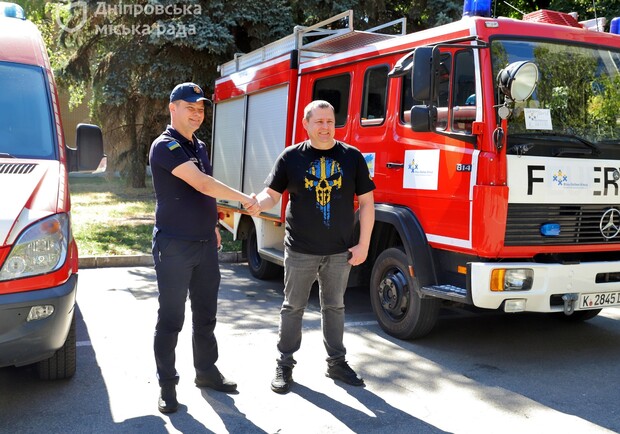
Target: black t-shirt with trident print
{"x":322,"y":185}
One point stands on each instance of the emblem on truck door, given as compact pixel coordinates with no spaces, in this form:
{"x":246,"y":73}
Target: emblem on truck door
{"x":609,"y":224}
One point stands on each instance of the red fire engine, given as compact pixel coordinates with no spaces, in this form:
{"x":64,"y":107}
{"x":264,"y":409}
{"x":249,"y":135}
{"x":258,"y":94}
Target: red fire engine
{"x":494,"y":144}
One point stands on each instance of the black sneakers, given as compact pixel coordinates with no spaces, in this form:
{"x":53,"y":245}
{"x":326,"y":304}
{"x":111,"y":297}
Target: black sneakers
{"x":168,"y":400}
{"x":213,"y":379}
{"x":281,"y":383}
{"x":343,"y":372}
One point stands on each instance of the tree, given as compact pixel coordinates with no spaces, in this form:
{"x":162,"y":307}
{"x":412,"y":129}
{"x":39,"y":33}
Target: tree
{"x":132,"y":55}
{"x":588,"y":9}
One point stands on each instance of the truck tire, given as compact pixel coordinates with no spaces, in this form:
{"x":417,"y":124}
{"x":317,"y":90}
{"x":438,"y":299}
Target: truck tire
{"x":397,"y":305}
{"x":62,"y":364}
{"x":259,"y":267}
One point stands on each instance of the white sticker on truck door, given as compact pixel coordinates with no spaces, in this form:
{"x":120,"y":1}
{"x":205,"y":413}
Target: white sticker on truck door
{"x":421,"y":170}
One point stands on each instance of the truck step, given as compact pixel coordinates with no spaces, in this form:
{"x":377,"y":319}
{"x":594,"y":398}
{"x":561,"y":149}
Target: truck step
{"x":448,"y":292}
{"x":272,"y":255}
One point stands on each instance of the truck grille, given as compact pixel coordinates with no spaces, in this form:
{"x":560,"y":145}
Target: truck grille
{"x":580,"y":224}
{"x":17,"y":168}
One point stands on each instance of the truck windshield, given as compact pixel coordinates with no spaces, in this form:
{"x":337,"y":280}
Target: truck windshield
{"x":578,"y":92}
{"x":25,"y":118}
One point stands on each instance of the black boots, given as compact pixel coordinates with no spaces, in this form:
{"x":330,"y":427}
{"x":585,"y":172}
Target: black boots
{"x":168,"y":399}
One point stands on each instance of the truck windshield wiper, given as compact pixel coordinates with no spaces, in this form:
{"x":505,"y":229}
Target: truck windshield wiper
{"x":5,"y":155}
{"x":542,"y":138}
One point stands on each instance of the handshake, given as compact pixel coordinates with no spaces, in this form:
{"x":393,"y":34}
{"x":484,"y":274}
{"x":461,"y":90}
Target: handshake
{"x":252,"y":204}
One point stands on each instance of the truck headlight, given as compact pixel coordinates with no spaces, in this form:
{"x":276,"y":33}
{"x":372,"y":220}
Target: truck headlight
{"x":512,"y":279}
{"x":40,"y":249}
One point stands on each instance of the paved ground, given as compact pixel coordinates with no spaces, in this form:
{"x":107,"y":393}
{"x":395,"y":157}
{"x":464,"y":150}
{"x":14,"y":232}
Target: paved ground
{"x":473,"y":374}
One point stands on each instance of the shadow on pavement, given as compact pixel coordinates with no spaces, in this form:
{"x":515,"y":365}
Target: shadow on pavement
{"x":233,"y":419}
{"x":77,"y":405}
{"x":384,"y":416}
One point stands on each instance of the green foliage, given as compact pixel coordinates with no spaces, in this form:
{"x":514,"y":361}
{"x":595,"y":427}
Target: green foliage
{"x":587,"y":9}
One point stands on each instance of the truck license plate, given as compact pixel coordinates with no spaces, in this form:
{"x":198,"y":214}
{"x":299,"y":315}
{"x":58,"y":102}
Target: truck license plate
{"x":601,"y":299}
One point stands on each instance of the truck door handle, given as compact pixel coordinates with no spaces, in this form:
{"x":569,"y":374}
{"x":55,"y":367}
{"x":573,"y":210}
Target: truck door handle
{"x":395,"y":165}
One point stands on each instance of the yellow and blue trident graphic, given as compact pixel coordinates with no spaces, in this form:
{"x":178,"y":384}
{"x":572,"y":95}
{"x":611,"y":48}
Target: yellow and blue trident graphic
{"x":322,"y":176}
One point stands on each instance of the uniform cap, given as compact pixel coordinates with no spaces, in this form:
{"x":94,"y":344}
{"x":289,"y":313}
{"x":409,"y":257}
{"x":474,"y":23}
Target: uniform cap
{"x":188,"y":92}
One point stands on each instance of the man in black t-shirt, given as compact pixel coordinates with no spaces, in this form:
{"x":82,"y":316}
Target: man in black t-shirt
{"x":322,"y":176}
{"x":185,"y":244}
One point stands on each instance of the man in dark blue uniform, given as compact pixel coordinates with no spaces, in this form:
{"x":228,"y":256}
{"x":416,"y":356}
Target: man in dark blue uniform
{"x":185,"y":244}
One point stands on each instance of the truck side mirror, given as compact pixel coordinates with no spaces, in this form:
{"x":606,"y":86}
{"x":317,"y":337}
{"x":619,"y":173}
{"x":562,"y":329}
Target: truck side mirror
{"x":89,"y":149}
{"x":425,"y":69}
{"x":423,"y":118}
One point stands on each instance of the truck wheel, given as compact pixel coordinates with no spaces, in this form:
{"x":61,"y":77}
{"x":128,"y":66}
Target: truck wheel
{"x":578,"y":315}
{"x":398,"y":307}
{"x":260,"y":268}
{"x":62,"y":363}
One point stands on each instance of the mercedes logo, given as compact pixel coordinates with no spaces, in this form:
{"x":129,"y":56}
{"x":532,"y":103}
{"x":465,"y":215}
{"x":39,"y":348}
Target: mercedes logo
{"x":610,"y":223}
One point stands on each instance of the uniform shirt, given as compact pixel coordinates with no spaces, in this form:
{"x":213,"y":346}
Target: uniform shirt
{"x":320,"y":217}
{"x":181,"y":211}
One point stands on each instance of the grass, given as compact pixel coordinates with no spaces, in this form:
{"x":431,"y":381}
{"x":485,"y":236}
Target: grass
{"x":110,"y":218}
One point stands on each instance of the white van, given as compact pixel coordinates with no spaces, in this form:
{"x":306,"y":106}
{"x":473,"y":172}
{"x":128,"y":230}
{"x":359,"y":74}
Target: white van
{"x":38,"y":255}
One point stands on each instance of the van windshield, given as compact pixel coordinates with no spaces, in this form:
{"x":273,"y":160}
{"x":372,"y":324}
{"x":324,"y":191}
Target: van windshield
{"x":25,"y":118}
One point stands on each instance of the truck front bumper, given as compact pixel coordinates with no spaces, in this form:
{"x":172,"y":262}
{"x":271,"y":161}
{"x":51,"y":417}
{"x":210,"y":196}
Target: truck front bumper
{"x":25,"y":342}
{"x":550,"y":283}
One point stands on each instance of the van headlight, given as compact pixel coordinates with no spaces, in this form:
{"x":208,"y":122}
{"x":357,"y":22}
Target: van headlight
{"x":40,"y":249}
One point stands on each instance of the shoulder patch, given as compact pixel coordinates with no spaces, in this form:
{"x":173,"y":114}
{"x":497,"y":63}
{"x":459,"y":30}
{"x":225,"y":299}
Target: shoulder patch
{"x":173,"y":145}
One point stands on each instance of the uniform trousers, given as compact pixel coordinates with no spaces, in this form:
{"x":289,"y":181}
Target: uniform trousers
{"x":185,"y":267}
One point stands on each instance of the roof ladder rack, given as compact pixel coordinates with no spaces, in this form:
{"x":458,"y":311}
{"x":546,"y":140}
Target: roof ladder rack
{"x":315,"y":41}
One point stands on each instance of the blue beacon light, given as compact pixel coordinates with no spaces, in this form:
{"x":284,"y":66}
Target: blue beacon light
{"x":614,"y":27}
{"x":12,"y":10}
{"x":477,"y":8}
{"x":550,"y":229}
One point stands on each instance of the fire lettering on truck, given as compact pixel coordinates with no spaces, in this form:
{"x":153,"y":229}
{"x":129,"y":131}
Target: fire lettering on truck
{"x":604,"y":180}
{"x":531,"y":179}
{"x":610,"y":178}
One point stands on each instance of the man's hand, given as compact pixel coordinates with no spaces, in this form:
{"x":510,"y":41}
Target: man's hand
{"x":253,"y":206}
{"x":218,"y":236}
{"x":359,"y":253}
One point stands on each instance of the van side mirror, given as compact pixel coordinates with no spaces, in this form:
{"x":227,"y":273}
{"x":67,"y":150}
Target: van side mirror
{"x":88,"y":151}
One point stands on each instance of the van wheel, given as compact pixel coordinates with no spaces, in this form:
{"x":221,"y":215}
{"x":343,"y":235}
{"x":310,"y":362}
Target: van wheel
{"x":260,"y":268}
{"x":62,"y":364}
{"x":399,"y":309}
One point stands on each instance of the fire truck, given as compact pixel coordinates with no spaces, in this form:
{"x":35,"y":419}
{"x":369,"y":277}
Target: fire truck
{"x":494,"y":144}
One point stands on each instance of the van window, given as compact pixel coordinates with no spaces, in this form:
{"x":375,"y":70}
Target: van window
{"x":25,"y":119}
{"x":374,"y":96}
{"x":335,"y":90}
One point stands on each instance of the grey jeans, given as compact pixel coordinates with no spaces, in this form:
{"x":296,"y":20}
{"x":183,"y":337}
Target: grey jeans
{"x":300,"y":272}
